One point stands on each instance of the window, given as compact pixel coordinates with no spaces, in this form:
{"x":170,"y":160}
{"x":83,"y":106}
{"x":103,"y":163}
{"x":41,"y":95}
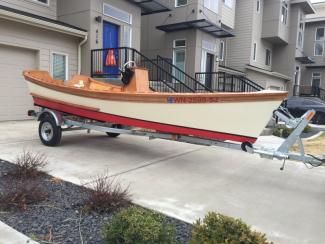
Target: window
{"x":319,"y":41}
{"x":127,"y":36}
{"x":301,"y":31}
{"x":268,"y":57}
{"x":116,"y":13}
{"x":212,"y":5}
{"x":284,"y":12}
{"x":254,"y":51}
{"x":179,"y":3}
{"x":43,"y":1}
{"x":179,"y":59}
{"x":316,"y":79}
{"x":179,"y":43}
{"x":258,"y":6}
{"x":59,"y":66}
{"x":222,"y":51}
{"x":228,"y":3}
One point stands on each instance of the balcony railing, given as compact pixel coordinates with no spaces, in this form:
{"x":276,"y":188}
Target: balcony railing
{"x":224,"y":82}
{"x":310,"y":91}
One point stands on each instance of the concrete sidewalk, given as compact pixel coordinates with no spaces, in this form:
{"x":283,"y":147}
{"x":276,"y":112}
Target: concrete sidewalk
{"x":10,"y":236}
{"x":187,"y":181}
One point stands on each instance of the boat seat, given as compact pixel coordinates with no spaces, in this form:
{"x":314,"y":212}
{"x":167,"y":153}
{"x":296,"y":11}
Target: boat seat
{"x":79,"y":81}
{"x":103,"y":86}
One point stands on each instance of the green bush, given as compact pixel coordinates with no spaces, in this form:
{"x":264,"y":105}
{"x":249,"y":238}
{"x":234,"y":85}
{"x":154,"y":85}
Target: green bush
{"x":308,"y":129}
{"x":217,"y":228}
{"x":138,"y":226}
{"x":282,"y":131}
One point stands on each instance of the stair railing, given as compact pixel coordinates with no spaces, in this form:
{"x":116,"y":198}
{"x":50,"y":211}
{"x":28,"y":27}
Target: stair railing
{"x":108,"y":63}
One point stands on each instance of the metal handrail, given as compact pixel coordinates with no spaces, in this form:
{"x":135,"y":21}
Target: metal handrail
{"x":224,"y":76}
{"x":155,"y":65}
{"x":194,"y":80}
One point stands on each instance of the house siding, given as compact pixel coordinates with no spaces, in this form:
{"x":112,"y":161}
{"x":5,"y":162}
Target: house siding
{"x":228,"y":15}
{"x":82,"y":13}
{"x":239,"y":48}
{"x":31,"y":6}
{"x":41,"y":40}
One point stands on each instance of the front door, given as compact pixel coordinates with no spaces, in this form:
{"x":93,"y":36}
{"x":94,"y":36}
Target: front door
{"x":209,"y":70}
{"x":111,"y":40}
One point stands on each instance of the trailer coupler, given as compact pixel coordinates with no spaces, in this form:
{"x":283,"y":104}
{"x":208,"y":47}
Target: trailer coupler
{"x":283,"y":151}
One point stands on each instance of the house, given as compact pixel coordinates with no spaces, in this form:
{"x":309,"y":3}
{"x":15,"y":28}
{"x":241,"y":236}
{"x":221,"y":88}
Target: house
{"x":31,"y":37}
{"x":57,"y":36}
{"x":313,"y":74}
{"x":268,"y":45}
{"x":191,"y":35}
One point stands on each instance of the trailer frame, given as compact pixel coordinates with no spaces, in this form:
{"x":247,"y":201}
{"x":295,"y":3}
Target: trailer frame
{"x":52,"y":121}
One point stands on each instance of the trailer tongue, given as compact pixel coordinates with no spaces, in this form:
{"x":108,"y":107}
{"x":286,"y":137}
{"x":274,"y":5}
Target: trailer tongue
{"x":52,"y":123}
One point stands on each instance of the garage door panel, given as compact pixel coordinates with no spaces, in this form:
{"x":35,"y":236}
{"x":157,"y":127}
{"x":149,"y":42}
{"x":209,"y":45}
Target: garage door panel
{"x":15,"y":99}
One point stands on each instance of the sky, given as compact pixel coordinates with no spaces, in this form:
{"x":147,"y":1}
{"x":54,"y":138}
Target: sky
{"x":317,"y":1}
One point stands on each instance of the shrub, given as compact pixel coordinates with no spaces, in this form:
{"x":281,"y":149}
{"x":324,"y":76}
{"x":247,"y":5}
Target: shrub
{"x":29,"y":165}
{"x":138,"y":226}
{"x":217,"y":228}
{"x":21,"y":194}
{"x":308,"y":129}
{"x":107,"y":195}
{"x":282,"y":131}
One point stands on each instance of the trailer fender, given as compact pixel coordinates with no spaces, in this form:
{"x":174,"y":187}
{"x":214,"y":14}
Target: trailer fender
{"x":57,"y":117}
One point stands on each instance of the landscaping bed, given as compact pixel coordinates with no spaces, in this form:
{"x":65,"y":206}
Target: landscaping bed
{"x":61,"y":217}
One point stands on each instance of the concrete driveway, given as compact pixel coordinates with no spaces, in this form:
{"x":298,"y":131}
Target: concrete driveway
{"x":187,"y":181}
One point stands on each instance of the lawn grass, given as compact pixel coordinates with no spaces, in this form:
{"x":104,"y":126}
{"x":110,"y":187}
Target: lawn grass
{"x":315,"y":147}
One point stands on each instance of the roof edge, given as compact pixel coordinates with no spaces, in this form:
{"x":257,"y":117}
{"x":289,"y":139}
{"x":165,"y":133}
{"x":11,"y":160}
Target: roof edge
{"x":39,"y":21}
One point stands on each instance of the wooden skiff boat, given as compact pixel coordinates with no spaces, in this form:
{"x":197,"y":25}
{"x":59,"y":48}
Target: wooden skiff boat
{"x":237,"y":117}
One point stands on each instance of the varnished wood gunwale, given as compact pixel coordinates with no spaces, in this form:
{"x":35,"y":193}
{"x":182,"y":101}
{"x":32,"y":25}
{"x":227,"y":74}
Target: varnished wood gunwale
{"x":154,"y":97}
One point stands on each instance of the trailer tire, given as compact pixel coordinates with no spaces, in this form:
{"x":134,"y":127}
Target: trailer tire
{"x":114,"y":135}
{"x":49,"y":133}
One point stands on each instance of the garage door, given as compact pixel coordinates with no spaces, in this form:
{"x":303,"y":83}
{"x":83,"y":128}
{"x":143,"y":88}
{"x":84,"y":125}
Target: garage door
{"x":14,"y":96}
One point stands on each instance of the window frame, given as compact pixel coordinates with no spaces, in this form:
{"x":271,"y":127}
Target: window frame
{"x":284,"y":17}
{"x":268,"y":61}
{"x":258,"y":6}
{"x":130,"y":22}
{"x":319,"y":42}
{"x":125,"y":27}
{"x":182,"y":5}
{"x":222,"y":48}
{"x":227,"y":5}
{"x":313,"y":76}
{"x":66,"y":63}
{"x":41,"y":3}
{"x":176,"y":40}
{"x":255,"y":51}
{"x":210,"y":7}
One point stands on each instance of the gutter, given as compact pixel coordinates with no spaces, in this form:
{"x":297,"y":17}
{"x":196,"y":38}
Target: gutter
{"x":4,"y":14}
{"x":79,"y":53}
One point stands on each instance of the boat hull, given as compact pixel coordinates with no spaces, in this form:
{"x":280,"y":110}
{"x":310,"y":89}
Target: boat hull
{"x":235,"y":121}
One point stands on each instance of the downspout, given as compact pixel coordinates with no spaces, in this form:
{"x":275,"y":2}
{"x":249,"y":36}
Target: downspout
{"x":79,"y":52}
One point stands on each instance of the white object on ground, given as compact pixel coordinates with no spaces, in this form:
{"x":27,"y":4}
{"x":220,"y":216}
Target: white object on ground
{"x":9,"y":235}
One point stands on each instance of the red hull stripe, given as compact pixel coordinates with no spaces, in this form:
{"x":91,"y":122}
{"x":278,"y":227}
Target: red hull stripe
{"x":141,"y":123}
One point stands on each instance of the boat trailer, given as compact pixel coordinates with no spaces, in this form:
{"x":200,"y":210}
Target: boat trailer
{"x":53,"y":123}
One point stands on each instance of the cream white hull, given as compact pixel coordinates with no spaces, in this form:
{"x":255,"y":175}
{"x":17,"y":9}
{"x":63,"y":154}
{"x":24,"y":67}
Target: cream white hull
{"x":238,"y":118}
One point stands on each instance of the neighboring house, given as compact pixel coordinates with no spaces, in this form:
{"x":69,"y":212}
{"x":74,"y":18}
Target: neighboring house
{"x":191,"y":35}
{"x":55,"y":36}
{"x":313,"y":75}
{"x":32,"y":38}
{"x":268,"y":45}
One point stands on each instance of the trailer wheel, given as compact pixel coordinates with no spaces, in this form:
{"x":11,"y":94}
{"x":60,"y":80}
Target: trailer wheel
{"x":49,"y":133}
{"x":114,"y":135}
